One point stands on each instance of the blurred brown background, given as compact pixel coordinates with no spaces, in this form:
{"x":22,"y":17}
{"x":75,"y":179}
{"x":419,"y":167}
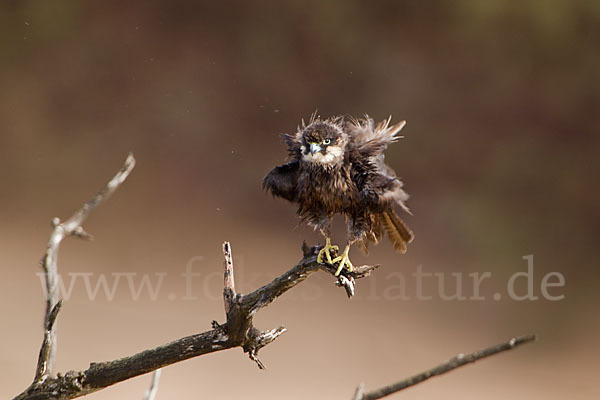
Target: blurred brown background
{"x":502,"y":103}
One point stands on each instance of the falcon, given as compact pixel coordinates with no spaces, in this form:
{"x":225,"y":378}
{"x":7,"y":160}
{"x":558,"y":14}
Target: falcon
{"x":336,"y":166}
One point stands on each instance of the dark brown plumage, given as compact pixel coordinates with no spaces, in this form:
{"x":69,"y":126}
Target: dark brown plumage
{"x":336,"y":166}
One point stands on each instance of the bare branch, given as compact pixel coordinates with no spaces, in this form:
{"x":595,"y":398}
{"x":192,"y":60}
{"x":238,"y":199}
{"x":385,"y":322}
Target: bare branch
{"x":359,"y":392}
{"x":241,"y":311}
{"x":151,"y":392}
{"x":100,"y":375}
{"x":47,"y":349}
{"x":237,"y":331}
{"x":453,"y":363}
{"x":71,"y":227}
{"x":263,"y":296}
{"x":229,"y":282}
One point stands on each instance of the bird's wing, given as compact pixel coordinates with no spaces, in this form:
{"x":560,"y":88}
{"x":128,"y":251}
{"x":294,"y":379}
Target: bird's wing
{"x":371,"y":140}
{"x":373,"y":177}
{"x":282,"y":181}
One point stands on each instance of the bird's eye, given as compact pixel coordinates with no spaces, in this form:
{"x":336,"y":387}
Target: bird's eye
{"x":327,"y":141}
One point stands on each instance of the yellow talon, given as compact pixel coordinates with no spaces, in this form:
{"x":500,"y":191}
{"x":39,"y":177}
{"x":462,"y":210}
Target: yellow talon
{"x":326,"y":250}
{"x":344,"y":261}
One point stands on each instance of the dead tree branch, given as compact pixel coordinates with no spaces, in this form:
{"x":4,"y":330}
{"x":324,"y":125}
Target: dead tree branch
{"x":237,"y":331}
{"x":453,"y":363}
{"x":153,"y":388}
{"x":70,"y":227}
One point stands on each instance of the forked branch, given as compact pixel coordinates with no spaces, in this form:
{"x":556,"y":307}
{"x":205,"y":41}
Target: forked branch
{"x":237,"y":331}
{"x":70,"y":227}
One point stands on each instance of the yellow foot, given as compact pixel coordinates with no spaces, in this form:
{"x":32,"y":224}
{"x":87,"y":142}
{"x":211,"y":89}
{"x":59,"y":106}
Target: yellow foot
{"x":326,"y":251}
{"x":344,"y":261}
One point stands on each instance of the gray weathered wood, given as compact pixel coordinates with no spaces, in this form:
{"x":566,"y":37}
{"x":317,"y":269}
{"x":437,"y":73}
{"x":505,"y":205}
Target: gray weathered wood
{"x":453,"y":363}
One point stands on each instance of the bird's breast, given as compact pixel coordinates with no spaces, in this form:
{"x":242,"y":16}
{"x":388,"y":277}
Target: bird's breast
{"x":328,"y":191}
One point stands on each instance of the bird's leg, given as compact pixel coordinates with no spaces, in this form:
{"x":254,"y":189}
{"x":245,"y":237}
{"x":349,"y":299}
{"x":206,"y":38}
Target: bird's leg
{"x":326,"y":250}
{"x":356,"y":231}
{"x":344,"y":261}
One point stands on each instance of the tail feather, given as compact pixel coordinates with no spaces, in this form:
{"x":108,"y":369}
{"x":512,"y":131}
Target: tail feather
{"x":400,"y":234}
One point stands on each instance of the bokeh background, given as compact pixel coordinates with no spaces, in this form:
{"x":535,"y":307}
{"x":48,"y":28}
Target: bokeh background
{"x":499,"y":155}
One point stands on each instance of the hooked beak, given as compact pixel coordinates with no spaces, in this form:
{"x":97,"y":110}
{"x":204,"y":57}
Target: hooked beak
{"x":314,"y":148}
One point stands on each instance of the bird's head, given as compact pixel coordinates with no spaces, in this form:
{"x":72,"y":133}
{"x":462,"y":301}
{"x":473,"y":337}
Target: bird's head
{"x":323,"y":143}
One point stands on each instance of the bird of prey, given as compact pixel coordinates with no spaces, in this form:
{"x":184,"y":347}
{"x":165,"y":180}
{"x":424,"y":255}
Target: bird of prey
{"x":336,"y":166}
